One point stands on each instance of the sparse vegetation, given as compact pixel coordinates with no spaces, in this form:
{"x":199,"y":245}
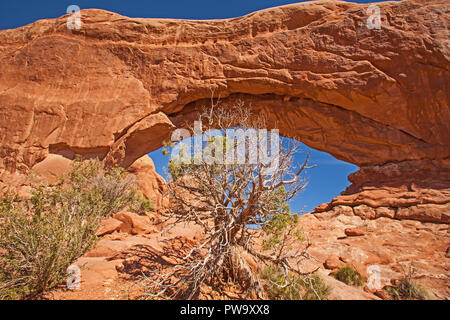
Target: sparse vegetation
{"x":349,"y":276}
{"x":407,"y":288}
{"x":293,"y":287}
{"x":42,"y":236}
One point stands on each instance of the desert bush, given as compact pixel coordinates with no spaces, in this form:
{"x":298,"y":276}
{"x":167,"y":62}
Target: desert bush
{"x":407,"y":289}
{"x":349,"y":276}
{"x":294,"y":286}
{"x":42,"y":236}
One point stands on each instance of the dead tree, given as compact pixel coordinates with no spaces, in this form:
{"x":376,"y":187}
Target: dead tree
{"x":240,"y":205}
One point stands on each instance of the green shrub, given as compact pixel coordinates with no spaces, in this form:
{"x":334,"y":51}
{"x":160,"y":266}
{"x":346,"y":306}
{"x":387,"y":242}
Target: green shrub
{"x":407,"y":289}
{"x":281,"y":223}
{"x":349,"y":276}
{"x":42,"y":236}
{"x":141,"y":204}
{"x":293,"y":287}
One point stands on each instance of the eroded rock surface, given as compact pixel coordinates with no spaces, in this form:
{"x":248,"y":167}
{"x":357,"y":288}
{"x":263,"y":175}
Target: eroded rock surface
{"x":151,"y":184}
{"x":389,"y":247}
{"x":134,"y":245}
{"x":117,"y":87}
{"x":412,"y":203}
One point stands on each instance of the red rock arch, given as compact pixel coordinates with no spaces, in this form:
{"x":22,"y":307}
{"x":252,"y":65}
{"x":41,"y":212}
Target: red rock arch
{"x":117,"y":87}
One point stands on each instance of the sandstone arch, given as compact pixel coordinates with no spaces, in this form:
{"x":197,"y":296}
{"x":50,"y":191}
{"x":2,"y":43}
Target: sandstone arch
{"x":118,"y":86}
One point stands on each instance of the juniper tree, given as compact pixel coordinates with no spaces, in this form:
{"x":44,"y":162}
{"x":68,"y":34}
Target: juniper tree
{"x":238,"y":194}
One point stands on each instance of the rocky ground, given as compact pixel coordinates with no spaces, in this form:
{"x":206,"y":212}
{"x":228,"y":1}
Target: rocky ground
{"x":131,"y":244}
{"x":340,"y":237}
{"x":391,"y":228}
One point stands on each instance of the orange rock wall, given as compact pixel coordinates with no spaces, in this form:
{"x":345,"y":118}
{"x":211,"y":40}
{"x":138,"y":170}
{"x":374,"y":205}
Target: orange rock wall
{"x":117,"y":87}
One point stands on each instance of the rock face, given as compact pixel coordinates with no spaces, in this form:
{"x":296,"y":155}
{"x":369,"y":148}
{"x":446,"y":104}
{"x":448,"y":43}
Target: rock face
{"x":413,"y":203}
{"x":118,"y":86}
{"x":381,"y":245}
{"x":151,"y":184}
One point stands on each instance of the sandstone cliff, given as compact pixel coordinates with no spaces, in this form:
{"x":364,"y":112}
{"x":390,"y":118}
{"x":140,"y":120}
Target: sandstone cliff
{"x":118,"y":86}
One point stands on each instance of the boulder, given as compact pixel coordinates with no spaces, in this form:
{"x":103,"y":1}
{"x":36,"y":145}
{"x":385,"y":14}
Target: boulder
{"x":354,"y":232}
{"x":150,"y":183}
{"x":109,"y":226}
{"x":333,"y":263}
{"x":134,"y":224}
{"x":365,"y":212}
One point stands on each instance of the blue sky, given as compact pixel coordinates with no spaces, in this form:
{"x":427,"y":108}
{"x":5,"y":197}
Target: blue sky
{"x":17,"y":13}
{"x":326,"y":181}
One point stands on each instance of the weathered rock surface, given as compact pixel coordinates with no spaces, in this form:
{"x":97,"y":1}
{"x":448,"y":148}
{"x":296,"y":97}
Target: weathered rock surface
{"x":151,"y":184}
{"x":132,"y":245}
{"x":117,"y":87}
{"x":388,"y":246}
{"x":52,"y":168}
{"x":426,"y":205}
